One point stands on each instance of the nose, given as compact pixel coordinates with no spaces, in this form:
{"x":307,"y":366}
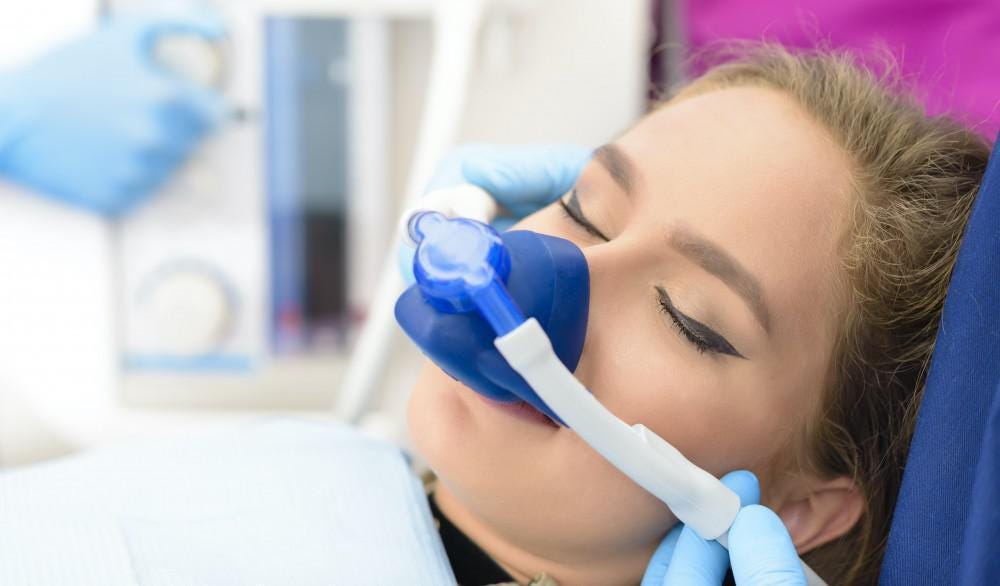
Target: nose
{"x":548,"y":280}
{"x":612,"y":274}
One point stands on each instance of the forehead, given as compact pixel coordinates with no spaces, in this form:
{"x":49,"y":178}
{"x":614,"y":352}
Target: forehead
{"x":748,"y":168}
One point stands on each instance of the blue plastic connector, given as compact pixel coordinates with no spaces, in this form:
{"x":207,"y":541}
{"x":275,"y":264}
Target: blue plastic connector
{"x":462,"y":265}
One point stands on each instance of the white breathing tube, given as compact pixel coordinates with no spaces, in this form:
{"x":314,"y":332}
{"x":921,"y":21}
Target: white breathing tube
{"x":698,"y":499}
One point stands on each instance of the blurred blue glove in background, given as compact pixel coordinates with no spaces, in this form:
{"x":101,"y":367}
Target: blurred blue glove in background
{"x":760,"y":549}
{"x":97,"y":123}
{"x":522,"y":178}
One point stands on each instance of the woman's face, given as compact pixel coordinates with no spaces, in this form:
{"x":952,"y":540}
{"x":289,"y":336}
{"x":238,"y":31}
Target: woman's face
{"x":711,"y":232}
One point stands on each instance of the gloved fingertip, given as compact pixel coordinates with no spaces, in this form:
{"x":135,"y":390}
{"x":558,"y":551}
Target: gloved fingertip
{"x":758,"y":519}
{"x":762,"y":551}
{"x":479,"y":171}
{"x":576,"y":156}
{"x":744,"y":483}
{"x":503,"y":223}
{"x":696,"y":561}
{"x":515,"y":175}
{"x":656,"y":570}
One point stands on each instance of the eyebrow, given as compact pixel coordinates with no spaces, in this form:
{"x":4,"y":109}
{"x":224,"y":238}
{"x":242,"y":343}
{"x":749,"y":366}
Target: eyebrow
{"x":701,"y":251}
{"x":619,"y":166}
{"x":719,"y":263}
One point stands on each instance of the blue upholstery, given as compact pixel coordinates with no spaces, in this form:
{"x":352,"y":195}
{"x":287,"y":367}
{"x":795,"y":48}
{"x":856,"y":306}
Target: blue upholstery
{"x":946,"y":527}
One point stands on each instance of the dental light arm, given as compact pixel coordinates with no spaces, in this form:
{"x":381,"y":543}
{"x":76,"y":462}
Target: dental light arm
{"x":463,"y":266}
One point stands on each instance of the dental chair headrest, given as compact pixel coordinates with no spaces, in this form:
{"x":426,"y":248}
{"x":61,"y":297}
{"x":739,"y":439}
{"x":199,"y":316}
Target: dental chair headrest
{"x":946,"y":526}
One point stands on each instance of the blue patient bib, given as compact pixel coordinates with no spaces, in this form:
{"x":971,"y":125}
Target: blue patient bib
{"x":278,"y":503}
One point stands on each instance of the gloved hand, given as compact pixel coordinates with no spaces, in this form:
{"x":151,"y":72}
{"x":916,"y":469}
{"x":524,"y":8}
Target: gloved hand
{"x":760,"y":549}
{"x":97,"y":123}
{"x":522,"y":178}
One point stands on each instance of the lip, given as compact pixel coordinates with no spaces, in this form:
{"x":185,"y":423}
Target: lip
{"x":521,"y":410}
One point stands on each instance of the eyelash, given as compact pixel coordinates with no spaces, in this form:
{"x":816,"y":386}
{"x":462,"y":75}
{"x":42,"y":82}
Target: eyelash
{"x":581,"y":221}
{"x":707,"y":342}
{"x":700,"y":345}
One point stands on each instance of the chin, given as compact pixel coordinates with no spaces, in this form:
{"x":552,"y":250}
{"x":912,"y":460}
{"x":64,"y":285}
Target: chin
{"x":534,"y":485}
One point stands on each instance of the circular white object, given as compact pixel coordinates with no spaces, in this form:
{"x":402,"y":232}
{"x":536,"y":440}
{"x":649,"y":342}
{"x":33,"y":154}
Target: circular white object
{"x":186,"y":312}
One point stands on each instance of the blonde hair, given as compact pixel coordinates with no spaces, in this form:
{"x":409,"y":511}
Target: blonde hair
{"x":915,"y":179}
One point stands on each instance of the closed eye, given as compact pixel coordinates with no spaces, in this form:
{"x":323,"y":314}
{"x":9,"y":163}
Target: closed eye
{"x":574,"y":212}
{"x":704,"y":338}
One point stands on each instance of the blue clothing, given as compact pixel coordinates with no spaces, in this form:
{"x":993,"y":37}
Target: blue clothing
{"x":947,"y":518}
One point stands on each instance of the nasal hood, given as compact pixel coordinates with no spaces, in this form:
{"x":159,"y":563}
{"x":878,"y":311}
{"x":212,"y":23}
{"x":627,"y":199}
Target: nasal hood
{"x":548,"y":279}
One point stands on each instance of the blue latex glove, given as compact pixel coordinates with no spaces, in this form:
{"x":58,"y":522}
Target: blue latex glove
{"x":97,"y":123}
{"x":522,"y":178}
{"x":761,"y":550}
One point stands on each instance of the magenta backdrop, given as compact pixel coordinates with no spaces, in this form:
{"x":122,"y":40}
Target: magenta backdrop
{"x":950,"y":48}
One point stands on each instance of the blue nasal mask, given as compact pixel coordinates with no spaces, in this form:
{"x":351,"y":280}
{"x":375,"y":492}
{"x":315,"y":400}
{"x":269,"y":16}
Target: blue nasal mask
{"x":461,"y":265}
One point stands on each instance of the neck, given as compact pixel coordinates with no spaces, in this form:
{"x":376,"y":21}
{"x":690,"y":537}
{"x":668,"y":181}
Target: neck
{"x":524,"y":565}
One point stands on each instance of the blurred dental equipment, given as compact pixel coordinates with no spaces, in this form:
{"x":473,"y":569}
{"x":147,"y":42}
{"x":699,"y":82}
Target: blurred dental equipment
{"x":313,"y":226}
{"x":462,"y":268}
{"x":237,"y":288}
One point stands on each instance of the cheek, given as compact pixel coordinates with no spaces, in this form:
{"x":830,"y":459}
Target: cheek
{"x":721,"y":416}
{"x":435,"y":415}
